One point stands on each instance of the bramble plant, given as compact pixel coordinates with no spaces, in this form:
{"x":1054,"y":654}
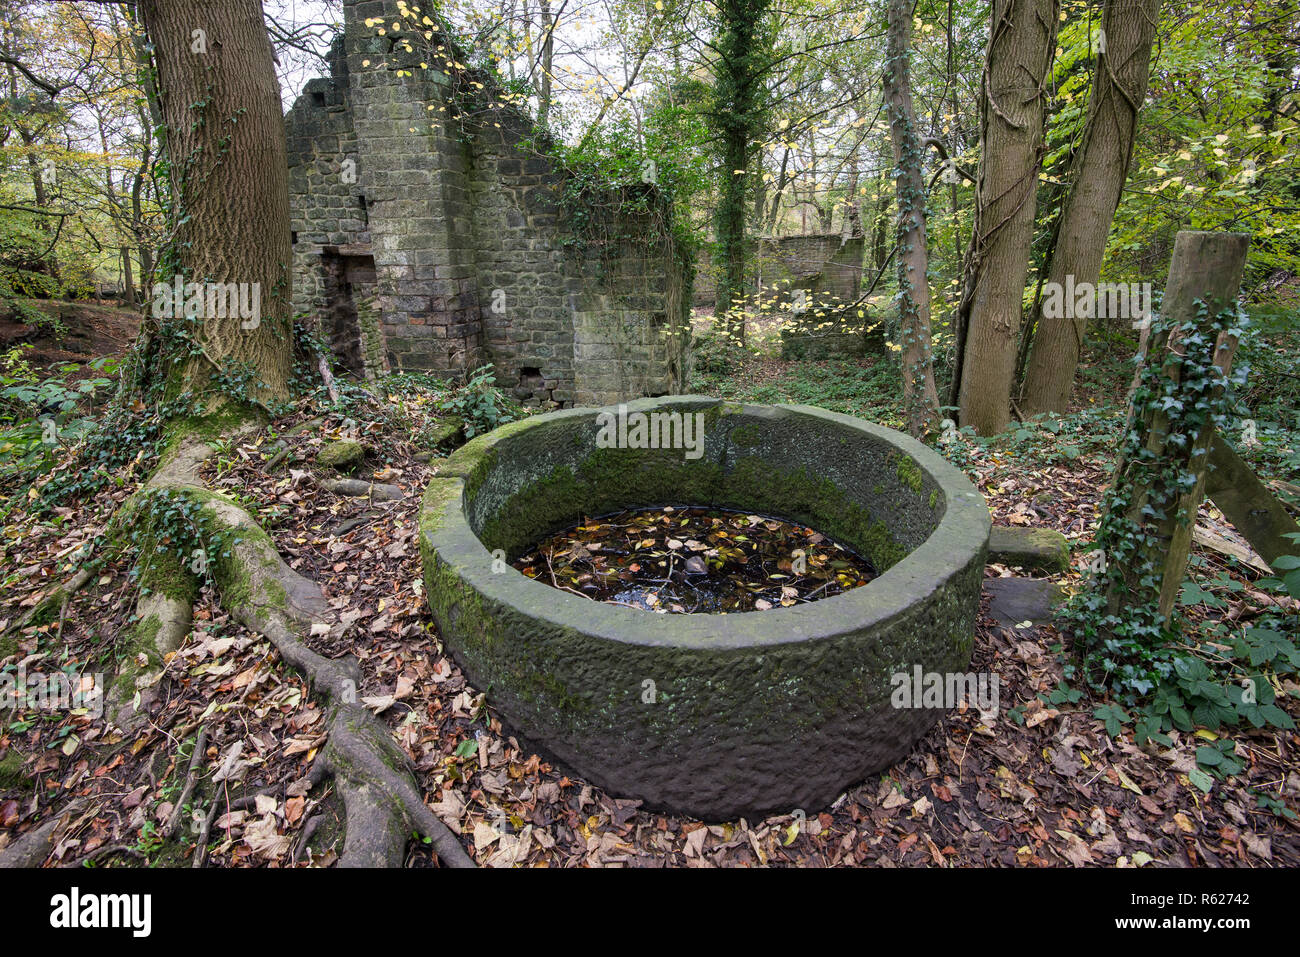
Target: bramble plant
{"x":38,"y":415}
{"x":480,"y":405}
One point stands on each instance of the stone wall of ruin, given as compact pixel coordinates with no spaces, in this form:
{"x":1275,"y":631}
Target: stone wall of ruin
{"x":461,"y":224}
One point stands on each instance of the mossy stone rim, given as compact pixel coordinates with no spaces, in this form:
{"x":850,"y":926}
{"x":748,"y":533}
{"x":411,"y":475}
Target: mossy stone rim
{"x":961,"y":534}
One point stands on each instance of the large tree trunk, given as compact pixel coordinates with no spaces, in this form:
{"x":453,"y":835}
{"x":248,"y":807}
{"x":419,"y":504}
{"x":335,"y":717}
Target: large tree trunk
{"x":1146,"y":529}
{"x":1022,"y":36}
{"x":1100,"y":168}
{"x":920,"y":399}
{"x":225,"y":143}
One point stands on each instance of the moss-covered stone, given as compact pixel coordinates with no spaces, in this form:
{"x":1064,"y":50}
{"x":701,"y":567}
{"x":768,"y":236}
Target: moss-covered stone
{"x":445,"y":433}
{"x":343,"y":455}
{"x":1035,"y":549}
{"x":909,"y":473}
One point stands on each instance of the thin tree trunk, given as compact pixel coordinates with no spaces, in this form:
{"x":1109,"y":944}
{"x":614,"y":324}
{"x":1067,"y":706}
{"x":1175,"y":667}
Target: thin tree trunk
{"x":880,"y":224}
{"x":1022,"y":39}
{"x":853,"y":206}
{"x":1100,"y":168}
{"x":920,"y":400}
{"x":782,"y":180}
{"x":148,"y":115}
{"x":548,"y":52}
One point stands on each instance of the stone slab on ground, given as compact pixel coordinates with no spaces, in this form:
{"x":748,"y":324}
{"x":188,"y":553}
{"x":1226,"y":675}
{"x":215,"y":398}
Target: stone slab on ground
{"x":1017,"y":600}
{"x":1035,"y":549}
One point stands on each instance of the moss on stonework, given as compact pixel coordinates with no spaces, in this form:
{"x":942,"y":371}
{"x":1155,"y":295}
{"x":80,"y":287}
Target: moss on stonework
{"x":473,"y":461}
{"x":610,"y":479}
{"x":909,"y":473}
{"x":483,"y":646}
{"x":815,"y":501}
{"x":444,"y":433}
{"x":433,"y":505}
{"x":747,"y":436}
{"x":577,"y":683}
{"x":605,"y":481}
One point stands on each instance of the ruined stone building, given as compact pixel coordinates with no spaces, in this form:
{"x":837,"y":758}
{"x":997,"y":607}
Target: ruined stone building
{"x":813,"y":281}
{"x":433,"y":232}
{"x":827,"y":266}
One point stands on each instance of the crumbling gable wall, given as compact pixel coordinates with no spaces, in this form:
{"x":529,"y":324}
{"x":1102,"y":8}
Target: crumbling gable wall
{"x":421,"y":179}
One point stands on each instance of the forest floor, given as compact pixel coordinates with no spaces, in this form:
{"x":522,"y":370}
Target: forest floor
{"x":1040,"y":784}
{"x":71,"y":331}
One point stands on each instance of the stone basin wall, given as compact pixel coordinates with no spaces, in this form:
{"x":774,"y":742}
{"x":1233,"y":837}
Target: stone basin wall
{"x":751,"y":713}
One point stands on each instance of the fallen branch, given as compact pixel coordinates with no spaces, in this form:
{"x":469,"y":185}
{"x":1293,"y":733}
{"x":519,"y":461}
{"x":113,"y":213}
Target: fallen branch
{"x":59,"y":598}
{"x":107,"y":850}
{"x":356,"y":488}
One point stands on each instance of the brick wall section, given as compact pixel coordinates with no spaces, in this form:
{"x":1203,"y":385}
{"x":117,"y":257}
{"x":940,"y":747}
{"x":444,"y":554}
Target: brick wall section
{"x":629,"y":324}
{"x":474,"y":261}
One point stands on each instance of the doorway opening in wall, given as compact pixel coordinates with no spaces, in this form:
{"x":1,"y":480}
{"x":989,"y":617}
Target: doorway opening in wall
{"x":349,"y":283}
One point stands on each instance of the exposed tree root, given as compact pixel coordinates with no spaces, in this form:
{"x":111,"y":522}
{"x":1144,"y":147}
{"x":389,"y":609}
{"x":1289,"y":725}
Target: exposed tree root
{"x":32,"y":848}
{"x":58,"y":598}
{"x":383,"y":806}
{"x":164,"y":622}
{"x":191,"y":778}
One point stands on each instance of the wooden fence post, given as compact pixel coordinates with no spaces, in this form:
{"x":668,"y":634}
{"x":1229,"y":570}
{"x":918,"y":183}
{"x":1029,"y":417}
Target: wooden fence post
{"x":1206,"y":268}
{"x":1246,"y":502}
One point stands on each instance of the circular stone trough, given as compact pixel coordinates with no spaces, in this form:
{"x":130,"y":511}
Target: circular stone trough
{"x":716,"y":716}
